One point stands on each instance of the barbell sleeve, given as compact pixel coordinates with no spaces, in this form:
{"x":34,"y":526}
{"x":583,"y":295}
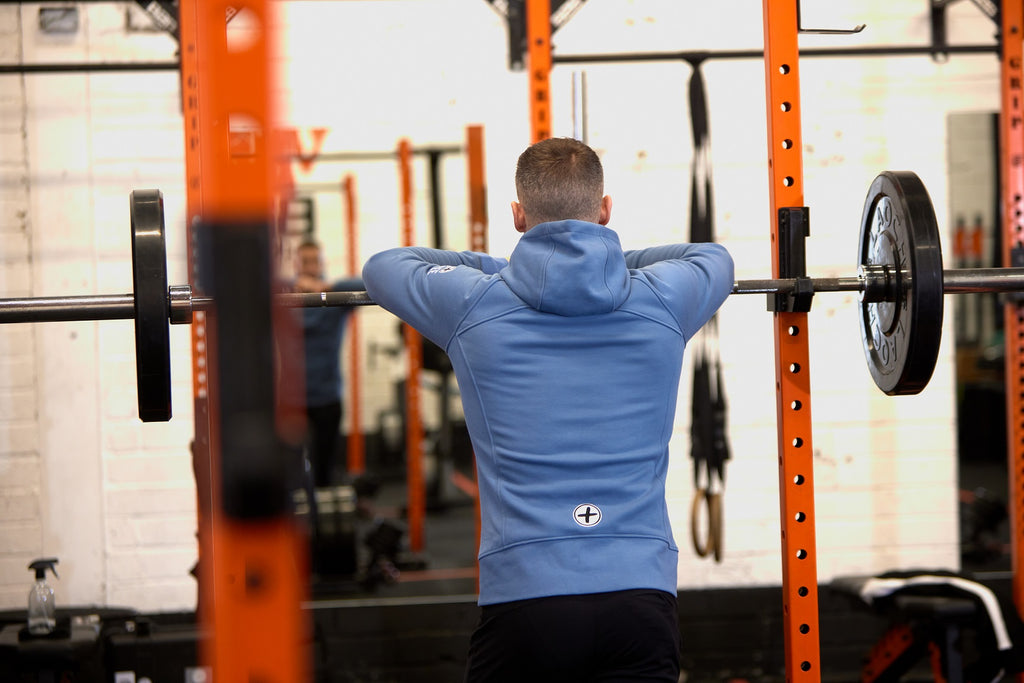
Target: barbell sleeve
{"x":959,"y":281}
{"x":979,"y":280}
{"x":67,"y":308}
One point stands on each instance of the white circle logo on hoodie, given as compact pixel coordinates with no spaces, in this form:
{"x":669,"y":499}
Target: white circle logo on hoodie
{"x":587,"y":514}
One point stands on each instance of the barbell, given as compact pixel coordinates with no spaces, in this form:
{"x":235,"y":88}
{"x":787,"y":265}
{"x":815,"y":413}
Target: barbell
{"x":900,"y":281}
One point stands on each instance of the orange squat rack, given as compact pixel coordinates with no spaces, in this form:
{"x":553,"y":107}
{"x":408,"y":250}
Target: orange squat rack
{"x":1011,"y":158}
{"x":538,"y":38}
{"x":793,"y":395}
{"x":416,"y":488}
{"x":792,"y":367}
{"x":253,"y":566}
{"x":414,"y":437}
{"x":253,"y":569}
{"x":356,"y":452}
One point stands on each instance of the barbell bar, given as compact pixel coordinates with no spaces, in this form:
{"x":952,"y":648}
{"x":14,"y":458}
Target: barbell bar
{"x":182,"y":302}
{"x":900,"y":283}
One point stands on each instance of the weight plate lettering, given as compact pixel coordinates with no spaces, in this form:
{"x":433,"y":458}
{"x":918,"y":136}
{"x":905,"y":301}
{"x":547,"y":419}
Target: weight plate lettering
{"x":152,"y":308}
{"x":901,"y":336}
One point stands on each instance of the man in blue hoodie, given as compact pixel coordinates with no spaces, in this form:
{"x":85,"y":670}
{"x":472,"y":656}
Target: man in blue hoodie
{"x":323,"y":332}
{"x":568,"y":357}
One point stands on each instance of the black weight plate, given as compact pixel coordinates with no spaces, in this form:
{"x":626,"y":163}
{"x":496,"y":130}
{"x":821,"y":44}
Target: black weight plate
{"x":152,"y":308}
{"x":898,"y":230}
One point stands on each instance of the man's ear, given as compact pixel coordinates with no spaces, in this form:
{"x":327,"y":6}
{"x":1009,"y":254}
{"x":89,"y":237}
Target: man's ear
{"x":606,"y":210}
{"x":519,"y":216}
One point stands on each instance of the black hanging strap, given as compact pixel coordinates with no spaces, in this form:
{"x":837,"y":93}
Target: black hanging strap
{"x":709,"y":437}
{"x":701,"y":209}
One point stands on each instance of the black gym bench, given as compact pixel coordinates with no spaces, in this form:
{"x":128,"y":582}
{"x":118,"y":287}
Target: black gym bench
{"x":954,"y":621}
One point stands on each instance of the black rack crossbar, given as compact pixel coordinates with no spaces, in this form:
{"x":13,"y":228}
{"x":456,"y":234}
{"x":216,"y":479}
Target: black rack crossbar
{"x":697,"y":56}
{"x":80,"y":67}
{"x":389,"y":155}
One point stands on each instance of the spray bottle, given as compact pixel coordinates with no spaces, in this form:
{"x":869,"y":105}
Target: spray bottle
{"x":42,"y":610}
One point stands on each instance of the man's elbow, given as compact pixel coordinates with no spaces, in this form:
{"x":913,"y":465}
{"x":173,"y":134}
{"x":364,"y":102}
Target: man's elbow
{"x":374,"y":271}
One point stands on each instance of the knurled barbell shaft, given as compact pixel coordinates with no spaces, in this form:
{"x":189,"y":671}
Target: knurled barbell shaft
{"x":122,"y":306}
{"x":786,"y":286}
{"x":307,"y":299}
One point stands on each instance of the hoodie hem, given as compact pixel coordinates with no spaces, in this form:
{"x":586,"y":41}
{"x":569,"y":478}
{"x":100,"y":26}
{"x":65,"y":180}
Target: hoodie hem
{"x":577,"y":566}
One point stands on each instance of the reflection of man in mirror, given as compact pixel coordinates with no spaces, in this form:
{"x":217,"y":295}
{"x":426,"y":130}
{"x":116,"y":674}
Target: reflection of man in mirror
{"x":323,"y":330}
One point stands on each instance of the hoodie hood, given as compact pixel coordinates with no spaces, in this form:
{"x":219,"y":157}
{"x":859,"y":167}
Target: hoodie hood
{"x":569,"y":268}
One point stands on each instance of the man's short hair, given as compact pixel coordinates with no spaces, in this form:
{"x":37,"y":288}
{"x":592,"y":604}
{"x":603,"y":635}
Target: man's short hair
{"x":558,"y":179}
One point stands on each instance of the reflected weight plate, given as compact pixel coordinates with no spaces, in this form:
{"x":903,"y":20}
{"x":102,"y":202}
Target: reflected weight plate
{"x":901,"y":336}
{"x":152,"y":308}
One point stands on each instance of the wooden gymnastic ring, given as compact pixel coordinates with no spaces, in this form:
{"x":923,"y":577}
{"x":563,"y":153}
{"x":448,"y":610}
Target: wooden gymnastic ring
{"x":700,"y":498}
{"x":716,"y":525}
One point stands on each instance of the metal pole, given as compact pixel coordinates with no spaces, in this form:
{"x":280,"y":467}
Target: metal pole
{"x":786,"y":285}
{"x":704,"y":55}
{"x":579,"y":105}
{"x":436,"y":215}
{"x":59,"y":68}
{"x":389,"y":155}
{"x":978,"y":280}
{"x":67,"y":308}
{"x":182,"y":301}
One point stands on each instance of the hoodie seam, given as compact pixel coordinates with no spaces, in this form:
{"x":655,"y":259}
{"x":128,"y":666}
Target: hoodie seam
{"x":457,"y":327}
{"x":499,"y":490}
{"x":544,"y":276}
{"x":607,"y":260}
{"x":636,"y":314}
{"x":553,"y":539}
{"x":455,"y":340}
{"x":483,"y":321}
{"x":664,"y":306}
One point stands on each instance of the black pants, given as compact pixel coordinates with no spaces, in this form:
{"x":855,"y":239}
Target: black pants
{"x":608,"y":637}
{"x":324,"y":424}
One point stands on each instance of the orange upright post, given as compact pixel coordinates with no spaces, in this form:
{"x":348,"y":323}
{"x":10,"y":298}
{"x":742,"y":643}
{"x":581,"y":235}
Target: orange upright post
{"x":356,"y":455}
{"x":255,"y":624}
{"x":476,"y":173}
{"x":1011,"y":158}
{"x":792,"y":373}
{"x":538,"y":38}
{"x":477,"y":228}
{"x":416,"y":489}
{"x":202,"y":466}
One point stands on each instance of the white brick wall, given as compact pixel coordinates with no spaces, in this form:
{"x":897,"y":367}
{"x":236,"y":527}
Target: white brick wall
{"x":21,"y":476}
{"x":70,"y":429}
{"x":81,"y":478}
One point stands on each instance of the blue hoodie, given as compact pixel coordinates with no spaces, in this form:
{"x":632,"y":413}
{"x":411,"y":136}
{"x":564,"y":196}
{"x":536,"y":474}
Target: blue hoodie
{"x":568,"y":359}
